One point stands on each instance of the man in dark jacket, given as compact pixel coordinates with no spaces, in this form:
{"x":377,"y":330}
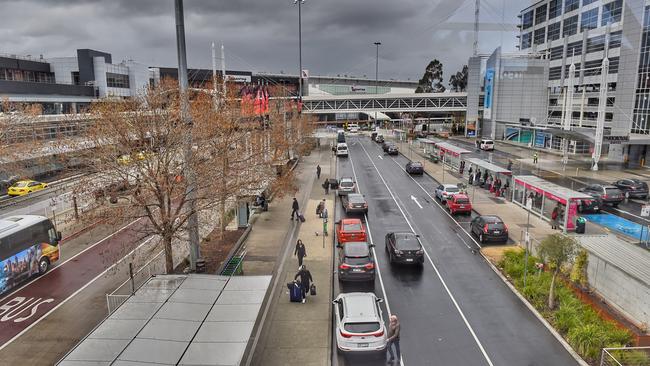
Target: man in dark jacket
{"x":295,"y":208}
{"x":318,"y":172}
{"x":305,"y":280}
{"x":300,"y":252}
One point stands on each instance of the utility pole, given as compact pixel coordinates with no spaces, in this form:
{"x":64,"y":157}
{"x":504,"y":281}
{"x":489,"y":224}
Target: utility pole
{"x":376,"y":75}
{"x":223,"y":70}
{"x":214,"y":78}
{"x":299,"y":2}
{"x":477,"y":7}
{"x":568,"y":112}
{"x":602,"y":105}
{"x":191,"y":194}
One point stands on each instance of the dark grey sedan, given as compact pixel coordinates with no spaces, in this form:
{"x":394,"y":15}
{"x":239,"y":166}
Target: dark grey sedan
{"x":354,"y":203}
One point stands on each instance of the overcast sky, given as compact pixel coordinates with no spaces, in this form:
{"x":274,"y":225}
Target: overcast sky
{"x":262,"y":35}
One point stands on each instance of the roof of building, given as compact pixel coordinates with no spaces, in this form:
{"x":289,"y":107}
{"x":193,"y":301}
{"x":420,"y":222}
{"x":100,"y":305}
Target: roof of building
{"x":619,"y":253}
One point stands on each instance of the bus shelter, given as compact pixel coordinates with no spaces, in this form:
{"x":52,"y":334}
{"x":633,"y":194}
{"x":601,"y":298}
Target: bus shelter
{"x":545,"y":196}
{"x":450,"y":154}
{"x":494,"y":170}
{"x":427,"y":146}
{"x":399,"y":134}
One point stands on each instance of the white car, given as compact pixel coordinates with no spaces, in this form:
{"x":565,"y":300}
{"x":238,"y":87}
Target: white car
{"x":359,"y":323}
{"x":347,"y":185}
{"x":445,"y":191}
{"x":487,"y":145}
{"x":353,"y":128}
{"x":342,"y":149}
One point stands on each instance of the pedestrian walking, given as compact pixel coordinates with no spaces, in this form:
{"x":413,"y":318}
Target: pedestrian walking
{"x":326,"y":186}
{"x":305,"y":280}
{"x":462,"y":167}
{"x":554,"y":216}
{"x":320,"y":207}
{"x":393,"y":339}
{"x":535,"y":158}
{"x":295,"y":208}
{"x":509,"y":164}
{"x":470,"y":171}
{"x":300,"y":252}
{"x":318,"y":171}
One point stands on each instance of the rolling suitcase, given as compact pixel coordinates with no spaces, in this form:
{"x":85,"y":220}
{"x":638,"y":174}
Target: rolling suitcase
{"x":295,"y":292}
{"x":301,"y":217}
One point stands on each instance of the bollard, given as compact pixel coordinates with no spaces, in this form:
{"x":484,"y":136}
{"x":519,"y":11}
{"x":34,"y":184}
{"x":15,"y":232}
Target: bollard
{"x":131,"y":277}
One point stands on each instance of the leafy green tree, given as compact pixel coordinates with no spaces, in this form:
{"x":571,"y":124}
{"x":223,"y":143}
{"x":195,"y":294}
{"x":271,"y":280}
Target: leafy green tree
{"x":431,"y":81}
{"x":458,"y":81}
{"x":556,"y":250}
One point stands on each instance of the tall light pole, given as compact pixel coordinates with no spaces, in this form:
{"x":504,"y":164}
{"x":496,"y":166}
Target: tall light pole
{"x":376,"y":74}
{"x":299,"y":2}
{"x":191,"y":194}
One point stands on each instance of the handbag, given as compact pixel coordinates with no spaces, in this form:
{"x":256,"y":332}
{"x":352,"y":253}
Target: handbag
{"x":312,"y":290}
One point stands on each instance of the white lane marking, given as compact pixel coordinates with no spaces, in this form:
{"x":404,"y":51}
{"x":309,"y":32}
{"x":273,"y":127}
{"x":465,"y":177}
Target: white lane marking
{"x":374,"y":253}
{"x":416,"y":201}
{"x":68,"y":260}
{"x":380,"y":157}
{"x":44,"y":316}
{"x":444,"y":284}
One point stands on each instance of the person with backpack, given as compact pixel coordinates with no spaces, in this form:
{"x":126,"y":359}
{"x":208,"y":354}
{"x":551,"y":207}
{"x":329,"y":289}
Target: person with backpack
{"x":300,"y":252}
{"x":305,"y":281}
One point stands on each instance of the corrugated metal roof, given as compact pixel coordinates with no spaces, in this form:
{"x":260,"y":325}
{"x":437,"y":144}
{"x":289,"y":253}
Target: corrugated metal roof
{"x":626,"y":256}
{"x":453,"y":148}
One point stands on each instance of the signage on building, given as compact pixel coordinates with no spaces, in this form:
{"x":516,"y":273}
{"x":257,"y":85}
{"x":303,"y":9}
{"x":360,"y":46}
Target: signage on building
{"x":357,"y":89}
{"x":305,"y":74}
{"x":487,"y":101}
{"x":239,"y":78}
{"x":615,"y":139}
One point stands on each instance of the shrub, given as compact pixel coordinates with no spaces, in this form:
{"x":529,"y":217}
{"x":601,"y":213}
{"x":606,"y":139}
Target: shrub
{"x":587,"y":340}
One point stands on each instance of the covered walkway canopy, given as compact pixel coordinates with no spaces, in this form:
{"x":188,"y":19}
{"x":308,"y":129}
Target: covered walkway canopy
{"x":486,"y":165}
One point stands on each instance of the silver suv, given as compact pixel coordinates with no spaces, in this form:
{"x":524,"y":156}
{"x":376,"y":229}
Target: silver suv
{"x":359,"y":324}
{"x":347,"y":185}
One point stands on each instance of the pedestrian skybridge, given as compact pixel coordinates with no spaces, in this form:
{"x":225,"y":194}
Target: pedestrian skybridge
{"x":369,"y":103}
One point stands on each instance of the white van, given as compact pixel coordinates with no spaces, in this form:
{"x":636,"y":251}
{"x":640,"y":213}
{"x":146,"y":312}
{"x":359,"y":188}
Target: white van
{"x":342,"y":149}
{"x":353,"y":128}
{"x":487,"y":145}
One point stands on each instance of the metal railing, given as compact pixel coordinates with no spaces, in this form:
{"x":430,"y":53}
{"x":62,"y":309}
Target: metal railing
{"x":128,"y":288}
{"x":626,"y":356}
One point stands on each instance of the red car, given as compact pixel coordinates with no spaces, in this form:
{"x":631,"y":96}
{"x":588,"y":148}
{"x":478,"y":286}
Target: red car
{"x":459,"y":203}
{"x":350,"y":230}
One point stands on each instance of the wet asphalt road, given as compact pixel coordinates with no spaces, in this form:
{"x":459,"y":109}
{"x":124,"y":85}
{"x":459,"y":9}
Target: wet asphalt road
{"x":454,"y":310}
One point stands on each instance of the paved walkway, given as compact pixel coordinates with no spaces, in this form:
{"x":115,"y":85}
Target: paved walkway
{"x":295,"y":333}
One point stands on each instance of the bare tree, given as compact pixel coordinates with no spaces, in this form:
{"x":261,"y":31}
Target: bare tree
{"x":138,"y":164}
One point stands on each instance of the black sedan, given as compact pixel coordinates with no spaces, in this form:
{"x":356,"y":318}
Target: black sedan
{"x":379,"y":139}
{"x":404,"y":247}
{"x":633,"y":188}
{"x":414,"y":167}
{"x":392,"y":150}
{"x":354,"y":203}
{"x":608,"y":194}
{"x":355,"y":262}
{"x":593,"y":205}
{"x":489,"y":228}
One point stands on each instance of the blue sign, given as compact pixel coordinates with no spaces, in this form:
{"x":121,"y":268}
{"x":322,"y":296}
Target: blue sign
{"x":487,"y":101}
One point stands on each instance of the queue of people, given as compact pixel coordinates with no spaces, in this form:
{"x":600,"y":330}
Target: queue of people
{"x":487,"y":180}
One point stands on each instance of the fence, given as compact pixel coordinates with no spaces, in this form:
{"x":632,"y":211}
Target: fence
{"x":154,"y":266}
{"x":627,"y":356}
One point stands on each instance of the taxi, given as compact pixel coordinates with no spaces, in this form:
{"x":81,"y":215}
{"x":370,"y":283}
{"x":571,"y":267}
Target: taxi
{"x":23,"y":187}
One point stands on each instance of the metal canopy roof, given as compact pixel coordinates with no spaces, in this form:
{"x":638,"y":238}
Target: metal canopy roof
{"x":559,"y":191}
{"x":453,"y":148}
{"x":177,"y":320}
{"x":489,"y":166}
{"x":621,"y":254}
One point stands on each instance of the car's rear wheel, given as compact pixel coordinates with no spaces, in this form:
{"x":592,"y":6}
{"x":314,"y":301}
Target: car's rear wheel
{"x":43,"y":265}
{"x":481,"y":238}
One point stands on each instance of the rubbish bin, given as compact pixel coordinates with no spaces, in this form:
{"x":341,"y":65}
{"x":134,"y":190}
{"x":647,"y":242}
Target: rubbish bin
{"x":581,"y":223}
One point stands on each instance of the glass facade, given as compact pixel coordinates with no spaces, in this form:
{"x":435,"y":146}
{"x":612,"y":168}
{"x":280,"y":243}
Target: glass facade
{"x":117,"y":80}
{"x":570,"y":5}
{"x":540,"y":14}
{"x":554,"y":31}
{"x":589,"y":19}
{"x":641,"y":113}
{"x":540,"y":35}
{"x":554,"y":9}
{"x":612,"y":12}
{"x":587,"y":2}
{"x":26,"y":75}
{"x":526,"y":40}
{"x":527,"y":20}
{"x":570,"y":26}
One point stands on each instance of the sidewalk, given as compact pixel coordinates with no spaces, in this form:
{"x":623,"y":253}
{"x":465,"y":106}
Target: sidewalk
{"x":295,"y":333}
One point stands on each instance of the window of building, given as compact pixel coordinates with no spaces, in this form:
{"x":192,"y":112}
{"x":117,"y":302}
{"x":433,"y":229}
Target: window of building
{"x":575,"y":74}
{"x":612,"y":12}
{"x":540,"y":14}
{"x":587,"y":2}
{"x":610,"y":101}
{"x":574,"y":48}
{"x":641,"y":112}
{"x":570,"y":26}
{"x":75,"y":77}
{"x":554,"y":9}
{"x":570,"y":5}
{"x":527,"y":20}
{"x":557,"y":52}
{"x":555,"y":73}
{"x":595,"y":44}
{"x":613,"y":65}
{"x":589,"y":19}
{"x":554,"y":31}
{"x":26,"y":75}
{"x":117,"y":80}
{"x":615,"y":39}
{"x":593,"y":68}
{"x":540,"y":35}
{"x":525,"y":40}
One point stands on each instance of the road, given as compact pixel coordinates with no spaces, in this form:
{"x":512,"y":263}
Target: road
{"x":454,"y":310}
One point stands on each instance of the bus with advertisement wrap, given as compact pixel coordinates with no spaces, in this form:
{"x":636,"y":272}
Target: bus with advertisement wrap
{"x":29,"y":245}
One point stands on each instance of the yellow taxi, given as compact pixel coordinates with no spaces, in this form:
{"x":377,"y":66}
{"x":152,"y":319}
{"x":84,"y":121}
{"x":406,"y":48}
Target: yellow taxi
{"x":23,"y":187}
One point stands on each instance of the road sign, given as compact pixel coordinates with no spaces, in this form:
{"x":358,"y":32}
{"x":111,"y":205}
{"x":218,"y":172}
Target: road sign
{"x":645,"y":210}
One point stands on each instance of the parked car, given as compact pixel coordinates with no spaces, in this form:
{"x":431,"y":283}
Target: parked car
{"x":360,"y":327}
{"x":459,"y":203}
{"x":489,"y":228}
{"x":444,"y":191}
{"x":608,"y":194}
{"x":593,"y":205}
{"x":23,"y":187}
{"x":379,"y":139}
{"x":340,"y":136}
{"x":342,"y":149}
{"x":349,"y":230}
{"x":392,"y":150}
{"x":487,"y":145}
{"x":354,"y":203}
{"x":373,"y":136}
{"x":346,"y":186}
{"x":355,"y":262}
{"x":414,"y":167}
{"x":633,"y":188}
{"x":353,"y":128}
{"x":404,"y":247}
{"x":385,"y":145}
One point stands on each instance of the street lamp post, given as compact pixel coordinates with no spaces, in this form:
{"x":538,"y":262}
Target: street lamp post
{"x":376,"y":73}
{"x":299,"y":2}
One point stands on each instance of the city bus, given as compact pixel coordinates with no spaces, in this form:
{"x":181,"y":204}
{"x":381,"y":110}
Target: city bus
{"x":29,"y":245}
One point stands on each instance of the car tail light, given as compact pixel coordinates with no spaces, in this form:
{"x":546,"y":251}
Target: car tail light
{"x":345,"y":334}
{"x":378,"y":334}
{"x":485,"y":228}
{"x":398,"y":252}
{"x":365,"y":205}
{"x":370,"y":266}
{"x":419,"y":252}
{"x":344,"y":266}
{"x":604,"y":196}
{"x":350,"y":205}
{"x":505,"y":227}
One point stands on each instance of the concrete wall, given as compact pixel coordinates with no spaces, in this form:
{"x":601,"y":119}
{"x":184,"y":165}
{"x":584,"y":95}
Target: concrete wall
{"x":623,"y":292}
{"x":473,"y":88}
